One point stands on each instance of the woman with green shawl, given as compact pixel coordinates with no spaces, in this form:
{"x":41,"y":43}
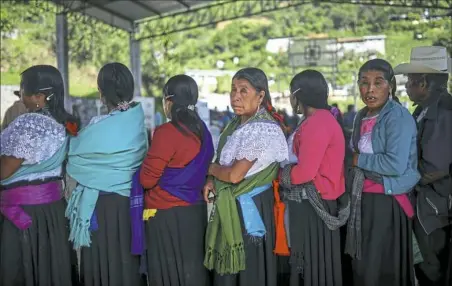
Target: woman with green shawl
{"x":241,"y":231}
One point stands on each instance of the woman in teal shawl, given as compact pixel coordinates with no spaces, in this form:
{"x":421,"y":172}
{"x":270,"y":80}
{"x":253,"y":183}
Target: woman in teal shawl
{"x":103,"y":159}
{"x":241,"y":231}
{"x":34,"y":246}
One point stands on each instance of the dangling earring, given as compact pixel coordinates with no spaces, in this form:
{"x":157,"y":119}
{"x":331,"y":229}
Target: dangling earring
{"x":37,"y":105}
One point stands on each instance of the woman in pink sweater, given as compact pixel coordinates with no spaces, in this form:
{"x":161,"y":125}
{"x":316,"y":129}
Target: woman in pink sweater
{"x":314,"y":186}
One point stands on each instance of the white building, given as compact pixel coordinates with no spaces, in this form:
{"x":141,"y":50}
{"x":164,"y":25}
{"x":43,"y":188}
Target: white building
{"x":367,"y":44}
{"x":362,"y":45}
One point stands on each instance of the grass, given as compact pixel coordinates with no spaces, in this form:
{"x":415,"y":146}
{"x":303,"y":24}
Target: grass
{"x":9,"y":78}
{"x":76,"y":88}
{"x":80,"y":90}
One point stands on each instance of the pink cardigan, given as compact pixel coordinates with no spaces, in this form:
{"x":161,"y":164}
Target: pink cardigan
{"x":319,"y":145}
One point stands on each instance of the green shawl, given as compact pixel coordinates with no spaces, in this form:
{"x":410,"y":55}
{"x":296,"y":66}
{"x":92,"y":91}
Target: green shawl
{"x":225,"y":252}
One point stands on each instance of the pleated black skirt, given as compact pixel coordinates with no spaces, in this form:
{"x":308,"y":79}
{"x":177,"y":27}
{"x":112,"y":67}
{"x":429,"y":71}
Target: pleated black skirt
{"x":41,"y":254}
{"x":322,"y":257}
{"x":387,"y":250}
{"x":108,"y":261}
{"x":261,"y":262}
{"x":175,"y":241}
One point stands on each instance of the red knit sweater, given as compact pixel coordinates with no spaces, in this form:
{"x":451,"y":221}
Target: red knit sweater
{"x":169,"y":148}
{"x":320,"y":147}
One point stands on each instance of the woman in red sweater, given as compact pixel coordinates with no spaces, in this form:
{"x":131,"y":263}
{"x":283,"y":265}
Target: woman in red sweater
{"x":174,"y":173}
{"x":314,"y":186}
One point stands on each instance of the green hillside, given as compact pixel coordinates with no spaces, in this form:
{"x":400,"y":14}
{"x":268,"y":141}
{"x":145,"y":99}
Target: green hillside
{"x":28,"y":38}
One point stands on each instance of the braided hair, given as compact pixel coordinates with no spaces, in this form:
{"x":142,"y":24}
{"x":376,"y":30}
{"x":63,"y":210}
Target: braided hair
{"x":47,"y":80}
{"x":116,"y":84}
{"x":182,"y":91}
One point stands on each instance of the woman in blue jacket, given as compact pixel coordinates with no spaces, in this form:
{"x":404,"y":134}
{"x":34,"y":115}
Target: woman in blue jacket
{"x":379,"y":235}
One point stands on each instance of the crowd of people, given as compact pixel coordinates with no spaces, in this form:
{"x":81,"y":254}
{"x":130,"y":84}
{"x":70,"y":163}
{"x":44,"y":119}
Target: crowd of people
{"x":106,"y":205}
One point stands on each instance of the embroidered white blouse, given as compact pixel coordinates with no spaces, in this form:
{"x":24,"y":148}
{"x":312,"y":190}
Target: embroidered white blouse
{"x":35,"y":138}
{"x":261,"y":141}
{"x":292,"y":157}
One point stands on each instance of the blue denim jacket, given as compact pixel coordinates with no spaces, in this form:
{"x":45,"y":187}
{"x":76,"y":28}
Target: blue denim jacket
{"x":395,"y":149}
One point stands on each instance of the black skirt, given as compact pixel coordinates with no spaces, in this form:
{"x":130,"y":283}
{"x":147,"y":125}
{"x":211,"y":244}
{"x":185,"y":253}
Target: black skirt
{"x":41,"y":254}
{"x":175,"y":241}
{"x":321,"y":247}
{"x":261,"y":262}
{"x":108,"y":260}
{"x":387,"y":249}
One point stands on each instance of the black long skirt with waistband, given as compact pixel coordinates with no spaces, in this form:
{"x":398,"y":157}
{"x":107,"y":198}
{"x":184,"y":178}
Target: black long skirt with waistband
{"x":261,"y":263}
{"x":175,"y":241}
{"x":41,"y":254}
{"x":108,"y":260}
{"x":387,"y":249}
{"x":321,"y":258}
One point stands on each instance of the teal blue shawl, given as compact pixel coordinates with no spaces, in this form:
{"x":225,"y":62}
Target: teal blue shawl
{"x":48,"y":165}
{"x":103,"y":157}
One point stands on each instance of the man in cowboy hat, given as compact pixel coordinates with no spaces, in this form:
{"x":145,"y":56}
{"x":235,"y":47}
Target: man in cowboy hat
{"x":18,"y":108}
{"x":428,"y":73}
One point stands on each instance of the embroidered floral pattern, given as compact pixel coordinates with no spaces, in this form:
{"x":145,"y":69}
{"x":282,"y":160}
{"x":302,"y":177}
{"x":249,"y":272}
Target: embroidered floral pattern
{"x":35,"y":138}
{"x":260,"y":141}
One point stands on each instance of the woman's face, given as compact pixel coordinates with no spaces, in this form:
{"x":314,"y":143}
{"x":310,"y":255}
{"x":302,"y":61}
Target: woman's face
{"x":374,"y":89}
{"x":33,"y":102}
{"x":245,"y":100}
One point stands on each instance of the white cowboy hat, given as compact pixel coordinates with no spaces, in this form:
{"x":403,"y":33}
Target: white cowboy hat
{"x":426,"y":60}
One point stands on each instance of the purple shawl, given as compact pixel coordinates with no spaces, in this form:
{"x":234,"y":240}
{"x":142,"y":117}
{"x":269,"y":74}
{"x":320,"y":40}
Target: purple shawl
{"x":186,"y":183}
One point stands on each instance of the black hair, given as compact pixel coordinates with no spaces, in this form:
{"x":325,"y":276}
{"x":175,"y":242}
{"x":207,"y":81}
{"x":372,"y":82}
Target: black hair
{"x":312,"y":89}
{"x":182,"y":91}
{"x":258,"y":80}
{"x":385,"y":68}
{"x":47,"y":80}
{"x":350,"y":107}
{"x":335,"y":105}
{"x":115,"y":82}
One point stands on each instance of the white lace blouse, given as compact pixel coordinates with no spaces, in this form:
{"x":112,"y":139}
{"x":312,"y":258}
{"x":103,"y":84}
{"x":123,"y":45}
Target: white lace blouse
{"x":34,"y":138}
{"x":261,"y":141}
{"x":292,"y":156}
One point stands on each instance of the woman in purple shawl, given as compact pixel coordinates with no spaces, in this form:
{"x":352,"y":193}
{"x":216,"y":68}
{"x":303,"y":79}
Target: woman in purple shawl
{"x":173,"y":174}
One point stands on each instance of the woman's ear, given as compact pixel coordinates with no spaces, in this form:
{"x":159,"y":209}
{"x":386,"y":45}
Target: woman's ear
{"x":261,"y":95}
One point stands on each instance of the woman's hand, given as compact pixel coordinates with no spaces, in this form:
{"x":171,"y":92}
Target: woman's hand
{"x":355,"y":159}
{"x":208,"y":188}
